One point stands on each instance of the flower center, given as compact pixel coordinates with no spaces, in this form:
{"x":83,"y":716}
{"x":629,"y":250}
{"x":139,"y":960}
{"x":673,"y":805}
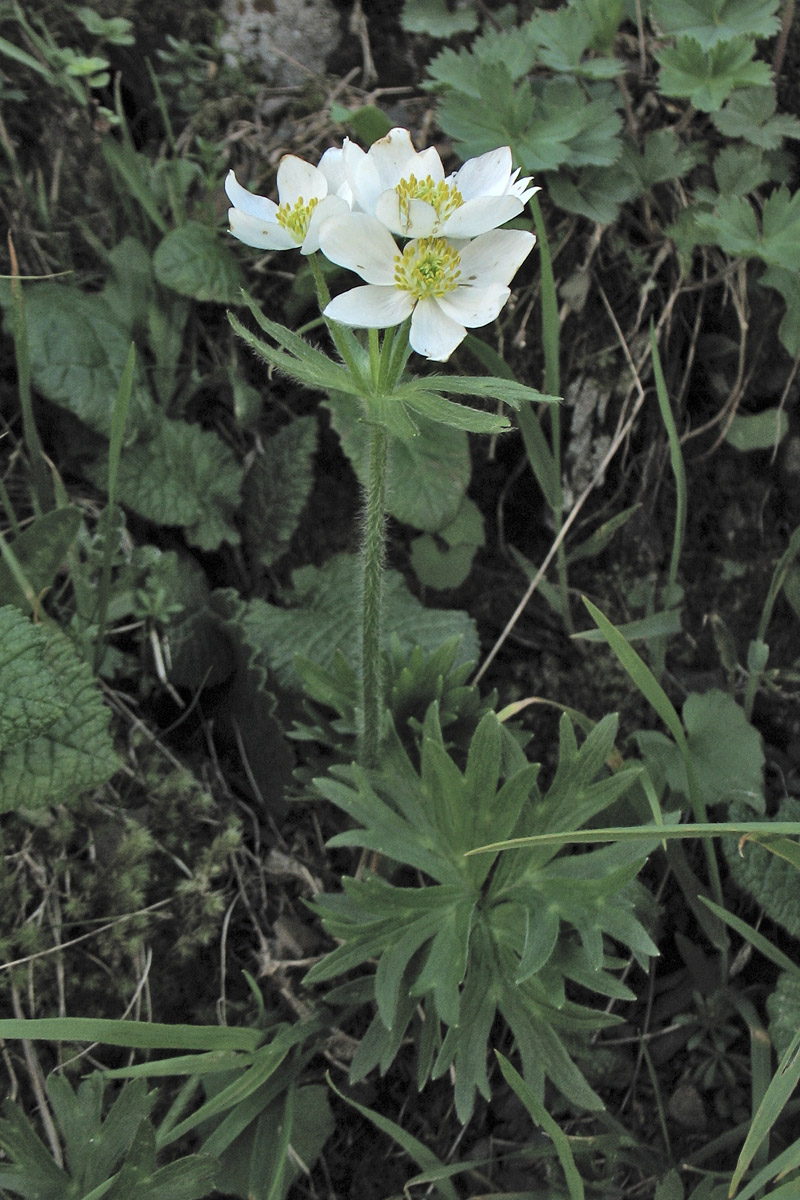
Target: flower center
{"x":443,"y":197}
{"x":428,"y":268}
{"x":295,"y":218}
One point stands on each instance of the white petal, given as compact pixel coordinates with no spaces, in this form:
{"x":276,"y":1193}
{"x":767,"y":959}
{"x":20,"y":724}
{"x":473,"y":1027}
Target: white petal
{"x":371,"y":307}
{"x":474,"y":306}
{"x":427,"y":162}
{"x":366,"y":183}
{"x":480,"y":215}
{"x":433,"y":333}
{"x":297,"y":178}
{"x":263,"y":234}
{"x":415,"y":219}
{"x":327,"y":209}
{"x":359,"y":242}
{"x":495,"y":257}
{"x":333,"y":168}
{"x":486,"y":175}
{"x":390,"y":156}
{"x":249,"y":202}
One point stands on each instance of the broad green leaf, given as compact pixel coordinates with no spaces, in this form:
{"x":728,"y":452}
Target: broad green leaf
{"x":40,"y":551}
{"x":53,"y":756}
{"x":786,"y":282}
{"x":759,"y":431}
{"x":78,"y":351}
{"x":276,"y":489}
{"x":597,"y":192}
{"x":750,"y":113}
{"x":734,"y":226}
{"x":724,"y":749}
{"x":564,"y":37}
{"x":434,"y":18}
{"x":713,"y":21}
{"x":427,"y":476}
{"x":770,"y":880}
{"x":446,"y":563}
{"x":707,"y":77}
{"x":662,"y":157}
{"x":323,"y":615}
{"x":130,"y":291}
{"x":183,"y":476}
{"x":739,"y":170}
{"x":194,"y":261}
{"x":516,"y":50}
{"x":783,"y":1008}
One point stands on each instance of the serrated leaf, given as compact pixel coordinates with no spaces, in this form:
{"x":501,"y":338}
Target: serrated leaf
{"x":427,"y":476}
{"x":436,"y":19}
{"x":78,"y":351}
{"x":194,"y":261}
{"x":662,"y":158}
{"x":55,"y":757}
{"x":734,"y":225}
{"x":276,"y":489}
{"x":750,"y":113}
{"x":324,"y":616}
{"x":29,"y":695}
{"x":707,"y":77}
{"x":183,"y":476}
{"x":40,"y":550}
{"x":788,"y":284}
{"x":712,"y":21}
{"x":759,"y":431}
{"x":598,"y":193}
{"x":516,"y":50}
{"x":564,"y":37}
{"x":739,"y":170}
{"x":783,"y":1007}
{"x":770,"y":879}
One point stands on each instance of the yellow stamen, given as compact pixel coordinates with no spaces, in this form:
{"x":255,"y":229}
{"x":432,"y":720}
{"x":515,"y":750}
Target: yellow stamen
{"x":445,"y":198}
{"x":428,"y":268}
{"x":296,"y":218}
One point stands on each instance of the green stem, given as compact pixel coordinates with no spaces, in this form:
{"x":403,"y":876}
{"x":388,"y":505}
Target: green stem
{"x":371,"y":599}
{"x":552,"y":384}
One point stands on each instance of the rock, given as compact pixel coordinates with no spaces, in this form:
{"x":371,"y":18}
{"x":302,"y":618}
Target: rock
{"x":291,"y":39}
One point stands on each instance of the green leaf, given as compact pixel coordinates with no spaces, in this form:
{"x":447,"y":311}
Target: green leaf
{"x":712,"y":21}
{"x":434,"y":18}
{"x":515,"y":50}
{"x":541,"y":1117}
{"x":276,"y":489}
{"x":734,"y":226}
{"x":183,"y":476}
{"x":662,"y":158}
{"x":449,"y":565}
{"x":324,"y":615}
{"x":426,"y":477}
{"x":770,"y":880}
{"x":707,"y":77}
{"x":759,"y":431}
{"x":598,"y":192}
{"x":788,"y":284}
{"x":783,"y":1008}
{"x":564,"y":37}
{"x":750,"y":113}
{"x":369,"y":123}
{"x":53,"y":755}
{"x":739,"y":170}
{"x":724,"y":749}
{"x":40,"y":551}
{"x":194,"y":261}
{"x":78,"y":351}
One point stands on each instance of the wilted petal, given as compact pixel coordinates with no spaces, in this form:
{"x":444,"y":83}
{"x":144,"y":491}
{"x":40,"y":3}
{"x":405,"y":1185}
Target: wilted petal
{"x":474,"y":306}
{"x":433,"y":333}
{"x":362,"y":244}
{"x":412,"y":218}
{"x":480,"y":215}
{"x":259,"y":232}
{"x":249,"y":202}
{"x":297,"y":178}
{"x":495,"y":257}
{"x":370,"y":307}
{"x":487,"y":175}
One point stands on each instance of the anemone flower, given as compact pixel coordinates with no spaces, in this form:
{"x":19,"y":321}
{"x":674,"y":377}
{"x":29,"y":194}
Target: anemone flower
{"x":445,"y":286}
{"x":306,"y":197}
{"x":408,"y":192}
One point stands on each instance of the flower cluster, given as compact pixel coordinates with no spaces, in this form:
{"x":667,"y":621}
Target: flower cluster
{"x":453,"y":272}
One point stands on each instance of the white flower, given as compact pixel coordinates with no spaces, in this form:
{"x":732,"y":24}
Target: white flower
{"x":307,"y":198}
{"x":444,"y":286}
{"x":408,"y":192}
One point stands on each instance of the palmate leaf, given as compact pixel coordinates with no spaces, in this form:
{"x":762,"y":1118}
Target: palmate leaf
{"x":707,"y":77}
{"x":564,"y":37}
{"x":713,"y":21}
{"x":734,"y":225}
{"x":750,"y":113}
{"x":515,"y":50}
